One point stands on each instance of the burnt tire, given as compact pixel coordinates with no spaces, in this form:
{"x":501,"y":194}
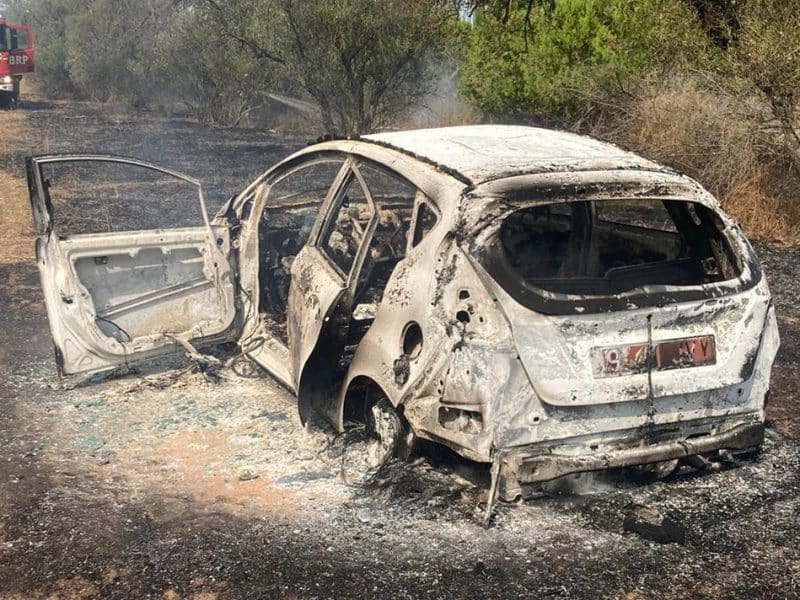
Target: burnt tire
{"x":386,"y":430}
{"x":369,"y":446}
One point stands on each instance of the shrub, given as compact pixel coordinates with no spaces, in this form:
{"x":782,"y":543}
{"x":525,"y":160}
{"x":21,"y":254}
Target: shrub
{"x":768,"y":52}
{"x":708,"y":134}
{"x":109,"y":47}
{"x":218,"y":80}
{"x":711,"y":134}
{"x":576,"y":56}
{"x":709,"y":87}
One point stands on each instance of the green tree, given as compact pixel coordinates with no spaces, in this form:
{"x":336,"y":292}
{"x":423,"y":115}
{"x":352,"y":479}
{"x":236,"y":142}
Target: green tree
{"x":214,"y":76}
{"x":560,"y":61}
{"x":363,"y":62}
{"x":768,"y":51}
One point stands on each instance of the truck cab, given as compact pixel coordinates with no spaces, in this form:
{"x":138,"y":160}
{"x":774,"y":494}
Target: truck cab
{"x":16,"y":59}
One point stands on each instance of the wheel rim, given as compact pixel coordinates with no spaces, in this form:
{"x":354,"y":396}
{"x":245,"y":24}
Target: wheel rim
{"x":380,"y":438}
{"x":386,"y":433}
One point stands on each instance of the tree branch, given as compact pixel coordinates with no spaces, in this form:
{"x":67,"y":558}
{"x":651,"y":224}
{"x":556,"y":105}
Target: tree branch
{"x":257,"y":50}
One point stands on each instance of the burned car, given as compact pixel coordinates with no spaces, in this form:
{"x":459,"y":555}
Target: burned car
{"x":533,"y":299}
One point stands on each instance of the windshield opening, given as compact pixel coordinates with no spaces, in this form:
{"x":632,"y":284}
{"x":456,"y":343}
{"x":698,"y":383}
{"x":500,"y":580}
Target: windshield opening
{"x":3,"y":38}
{"x":609,"y":248}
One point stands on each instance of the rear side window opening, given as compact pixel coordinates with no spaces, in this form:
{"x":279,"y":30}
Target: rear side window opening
{"x":609,"y":249}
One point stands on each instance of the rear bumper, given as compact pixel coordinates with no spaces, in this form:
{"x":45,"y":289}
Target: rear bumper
{"x":526,"y":465}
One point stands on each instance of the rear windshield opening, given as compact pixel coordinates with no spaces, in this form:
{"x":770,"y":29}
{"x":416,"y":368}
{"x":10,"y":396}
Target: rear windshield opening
{"x":612,"y":247}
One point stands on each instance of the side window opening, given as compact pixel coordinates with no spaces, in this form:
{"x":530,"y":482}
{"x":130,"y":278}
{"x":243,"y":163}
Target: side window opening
{"x":394,"y":201}
{"x":346,"y":230}
{"x":19,"y":39}
{"x":426,"y":220}
{"x":348,"y":227}
{"x":108,"y":196}
{"x":388,"y":229}
{"x":290,"y":210}
{"x":613,"y":247}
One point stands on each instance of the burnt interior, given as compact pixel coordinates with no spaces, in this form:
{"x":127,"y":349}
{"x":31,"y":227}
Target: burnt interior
{"x":384,"y":225}
{"x":283,"y":230}
{"x":610,"y":247}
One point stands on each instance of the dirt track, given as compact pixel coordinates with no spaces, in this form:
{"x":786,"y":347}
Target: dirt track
{"x":173,"y":486}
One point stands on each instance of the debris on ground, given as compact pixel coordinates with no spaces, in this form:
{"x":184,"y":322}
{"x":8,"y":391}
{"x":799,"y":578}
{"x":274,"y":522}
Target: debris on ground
{"x":653,"y":525}
{"x":131,"y":489}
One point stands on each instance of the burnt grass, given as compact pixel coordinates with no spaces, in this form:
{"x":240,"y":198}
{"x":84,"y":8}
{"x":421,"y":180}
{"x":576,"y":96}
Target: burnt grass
{"x":164,"y":484}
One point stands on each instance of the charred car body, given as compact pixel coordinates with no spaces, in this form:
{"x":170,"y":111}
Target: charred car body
{"x":533,"y":299}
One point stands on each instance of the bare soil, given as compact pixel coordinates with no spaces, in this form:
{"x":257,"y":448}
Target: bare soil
{"x":166,"y":484}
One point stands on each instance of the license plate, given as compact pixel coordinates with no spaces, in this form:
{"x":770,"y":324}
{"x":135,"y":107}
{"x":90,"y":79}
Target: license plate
{"x":667,"y":355}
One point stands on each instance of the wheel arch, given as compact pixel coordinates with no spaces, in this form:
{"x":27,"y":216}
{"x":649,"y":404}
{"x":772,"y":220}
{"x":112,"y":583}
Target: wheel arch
{"x":357,"y":394}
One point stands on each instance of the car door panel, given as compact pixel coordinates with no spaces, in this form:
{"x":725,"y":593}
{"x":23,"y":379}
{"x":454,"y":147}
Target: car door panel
{"x":315,"y":292}
{"x":318,"y":285}
{"x":114,"y":298}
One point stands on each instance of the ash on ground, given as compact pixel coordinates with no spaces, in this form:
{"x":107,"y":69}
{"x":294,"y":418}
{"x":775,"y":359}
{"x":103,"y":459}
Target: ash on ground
{"x":169,"y":483}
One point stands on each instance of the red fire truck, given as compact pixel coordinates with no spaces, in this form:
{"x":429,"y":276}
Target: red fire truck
{"x":16,"y":59}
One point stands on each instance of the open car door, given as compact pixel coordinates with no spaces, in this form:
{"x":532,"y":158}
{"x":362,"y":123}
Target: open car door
{"x":125,"y":283}
{"x":324,"y":279}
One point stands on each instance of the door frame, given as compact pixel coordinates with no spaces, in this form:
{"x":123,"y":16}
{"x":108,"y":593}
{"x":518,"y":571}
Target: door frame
{"x":40,"y":200}
{"x":70,"y":316}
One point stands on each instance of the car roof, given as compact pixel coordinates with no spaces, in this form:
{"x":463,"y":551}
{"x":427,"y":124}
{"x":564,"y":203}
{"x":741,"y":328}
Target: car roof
{"x":481,"y":153}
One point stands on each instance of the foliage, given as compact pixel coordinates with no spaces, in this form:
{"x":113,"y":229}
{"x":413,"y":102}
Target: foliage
{"x":768,"y":52}
{"x":710,"y":87}
{"x":108,"y":46}
{"x":215,"y":77}
{"x":362,"y":62}
{"x":709,"y":134}
{"x":49,"y":19}
{"x":14,"y":10}
{"x":144,"y":53}
{"x":720,"y":19}
{"x":560,"y":61}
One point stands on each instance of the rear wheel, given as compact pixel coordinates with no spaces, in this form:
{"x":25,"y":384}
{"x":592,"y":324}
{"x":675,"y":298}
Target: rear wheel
{"x":382,"y":436}
{"x":386,"y":431}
